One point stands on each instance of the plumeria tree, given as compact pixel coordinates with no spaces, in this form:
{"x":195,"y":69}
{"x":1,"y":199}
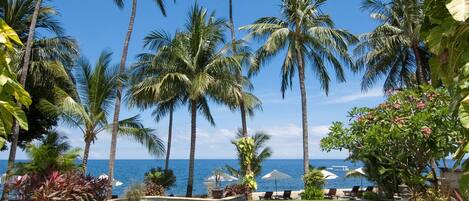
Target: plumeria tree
{"x":400,"y":140}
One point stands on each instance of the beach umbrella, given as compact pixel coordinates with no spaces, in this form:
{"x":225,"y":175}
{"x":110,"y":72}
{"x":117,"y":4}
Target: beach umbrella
{"x":329,"y":175}
{"x":359,"y":172}
{"x":114,"y":181}
{"x":276,"y":175}
{"x":219,"y":176}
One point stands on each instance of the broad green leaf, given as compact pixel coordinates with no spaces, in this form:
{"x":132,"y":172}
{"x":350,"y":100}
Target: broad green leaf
{"x":464,"y":112}
{"x":459,"y":9}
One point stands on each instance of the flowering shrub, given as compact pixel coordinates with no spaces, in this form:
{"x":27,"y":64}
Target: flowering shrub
{"x":236,"y":189}
{"x":400,"y":140}
{"x":56,"y":186}
{"x":152,"y":189}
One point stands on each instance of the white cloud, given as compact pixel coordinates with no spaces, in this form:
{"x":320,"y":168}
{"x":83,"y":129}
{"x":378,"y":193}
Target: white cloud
{"x":373,"y":93}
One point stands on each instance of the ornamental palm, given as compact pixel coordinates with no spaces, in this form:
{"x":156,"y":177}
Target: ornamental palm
{"x":394,"y":48}
{"x":97,"y":89}
{"x":262,"y":153}
{"x":197,"y":69}
{"x":125,"y":49}
{"x":309,"y":37}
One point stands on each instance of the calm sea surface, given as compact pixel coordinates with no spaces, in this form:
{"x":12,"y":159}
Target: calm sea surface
{"x":131,"y":171}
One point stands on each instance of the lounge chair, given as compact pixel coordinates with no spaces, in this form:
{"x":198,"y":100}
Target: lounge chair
{"x":353,"y":192}
{"x":331,"y":194}
{"x":267,"y":196}
{"x":369,"y":189}
{"x":285,"y":196}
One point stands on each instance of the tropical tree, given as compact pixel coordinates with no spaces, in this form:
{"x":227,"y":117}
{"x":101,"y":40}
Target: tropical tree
{"x":53,"y":153}
{"x":164,"y":104}
{"x":394,"y":49}
{"x":309,"y":37}
{"x":97,"y":88}
{"x":125,"y":49}
{"x":198,"y":69}
{"x":11,"y":91}
{"x":40,"y":64}
{"x":261,"y":153}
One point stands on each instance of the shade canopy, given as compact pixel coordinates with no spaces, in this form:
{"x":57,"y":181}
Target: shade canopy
{"x":114,"y":181}
{"x":221,"y":177}
{"x":276,"y":175}
{"x":356,"y":172}
{"x":329,"y":175}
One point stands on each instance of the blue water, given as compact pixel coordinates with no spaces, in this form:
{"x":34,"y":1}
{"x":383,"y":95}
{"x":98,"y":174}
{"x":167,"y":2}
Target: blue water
{"x":131,"y":171}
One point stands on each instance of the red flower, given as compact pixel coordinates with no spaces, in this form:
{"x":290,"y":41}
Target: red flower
{"x":426,"y":131}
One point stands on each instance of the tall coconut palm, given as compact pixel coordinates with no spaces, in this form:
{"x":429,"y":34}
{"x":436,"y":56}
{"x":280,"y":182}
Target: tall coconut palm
{"x":394,"y":48}
{"x":97,"y":88}
{"x":262,"y":153}
{"x":125,"y":49}
{"x":164,"y":104}
{"x":308,"y":36}
{"x":26,"y":16}
{"x":198,"y":67}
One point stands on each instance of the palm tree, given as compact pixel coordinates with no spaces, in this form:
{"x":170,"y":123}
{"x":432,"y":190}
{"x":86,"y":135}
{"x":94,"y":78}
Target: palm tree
{"x":164,"y":104}
{"x":197,"y":69}
{"x":262,"y":153}
{"x":46,"y":54}
{"x":125,"y":49}
{"x":309,"y":37}
{"x":97,"y":88}
{"x":394,"y":48}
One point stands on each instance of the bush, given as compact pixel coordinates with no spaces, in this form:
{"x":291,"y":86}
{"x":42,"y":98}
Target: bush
{"x":236,"y":189}
{"x":164,"y":178}
{"x":134,"y":192}
{"x":56,"y":186}
{"x":370,"y":196}
{"x":312,"y":193}
{"x":152,"y":189}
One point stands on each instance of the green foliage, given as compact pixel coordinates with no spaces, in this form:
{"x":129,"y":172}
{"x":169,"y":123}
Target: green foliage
{"x":52,"y":154}
{"x":153,"y":189}
{"x":314,"y":182}
{"x":12,"y":95}
{"x":135,"y":192}
{"x":389,"y":51}
{"x":446,"y":32}
{"x":246,"y":150}
{"x":164,"y":178}
{"x":262,"y":153}
{"x":398,"y":140}
{"x":370,"y":196}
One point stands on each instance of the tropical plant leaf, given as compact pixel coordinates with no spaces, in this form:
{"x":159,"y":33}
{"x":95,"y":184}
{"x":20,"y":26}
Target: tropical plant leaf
{"x":459,"y":9}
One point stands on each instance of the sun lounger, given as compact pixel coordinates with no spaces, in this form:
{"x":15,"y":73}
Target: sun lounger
{"x":267,"y":196}
{"x":286,"y":195}
{"x":353,"y":192}
{"x":331,"y":194}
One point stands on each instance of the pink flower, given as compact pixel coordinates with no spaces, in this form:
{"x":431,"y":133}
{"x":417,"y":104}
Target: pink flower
{"x":399,"y":120}
{"x":421,"y":105}
{"x":397,"y":105}
{"x":426,"y":131}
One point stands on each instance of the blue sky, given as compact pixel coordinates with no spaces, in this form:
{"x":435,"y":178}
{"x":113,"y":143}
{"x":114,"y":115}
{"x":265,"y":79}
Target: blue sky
{"x":100,"y":25}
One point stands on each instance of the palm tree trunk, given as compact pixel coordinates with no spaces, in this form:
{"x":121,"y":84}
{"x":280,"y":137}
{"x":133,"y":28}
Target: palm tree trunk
{"x":242,"y":106}
{"x":86,"y":153}
{"x":24,"y":75}
{"x":190,"y":179}
{"x":170,"y":135}
{"x":125,"y":50}
{"x":304,"y":112}
{"x":420,"y":73}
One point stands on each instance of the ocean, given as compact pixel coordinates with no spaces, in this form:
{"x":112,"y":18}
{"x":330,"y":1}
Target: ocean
{"x":132,"y":171}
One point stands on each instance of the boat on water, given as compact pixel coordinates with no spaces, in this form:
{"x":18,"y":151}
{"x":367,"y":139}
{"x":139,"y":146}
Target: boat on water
{"x":338,"y":168}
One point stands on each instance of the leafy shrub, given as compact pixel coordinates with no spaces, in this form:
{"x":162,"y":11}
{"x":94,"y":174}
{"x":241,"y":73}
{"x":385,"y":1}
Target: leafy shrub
{"x":164,"y":178}
{"x":134,"y":192}
{"x":370,"y":196}
{"x":314,"y":181}
{"x":152,"y":189}
{"x":56,"y":186}
{"x":312,"y":193}
{"x":432,"y":195}
{"x":236,"y":189}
